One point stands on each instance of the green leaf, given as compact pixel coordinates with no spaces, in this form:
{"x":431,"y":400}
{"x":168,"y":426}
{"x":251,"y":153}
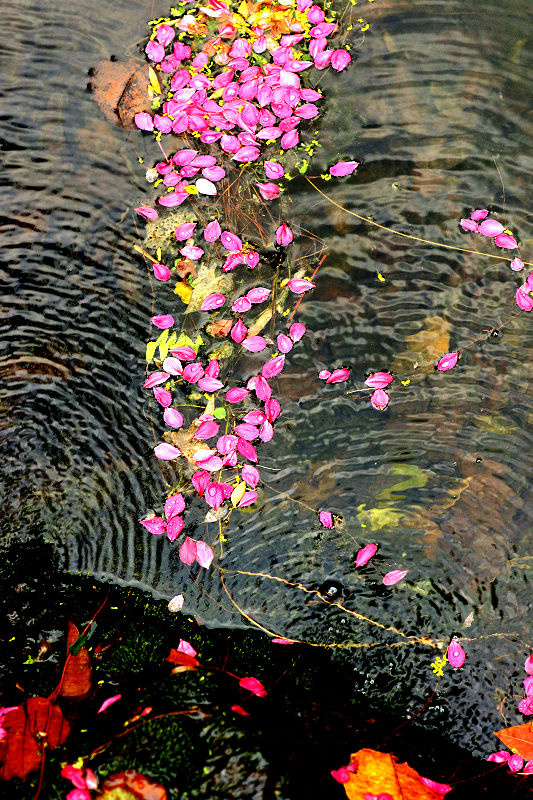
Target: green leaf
{"x":76,"y":646}
{"x":219,"y":413}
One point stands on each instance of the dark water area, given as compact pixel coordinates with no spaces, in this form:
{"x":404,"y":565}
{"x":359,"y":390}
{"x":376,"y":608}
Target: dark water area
{"x":438,"y":110}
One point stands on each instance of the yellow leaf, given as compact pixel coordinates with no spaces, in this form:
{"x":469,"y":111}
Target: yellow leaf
{"x":151,"y":347}
{"x":154,"y":82}
{"x":381,"y":278}
{"x":237,"y":493}
{"x":184,"y":292}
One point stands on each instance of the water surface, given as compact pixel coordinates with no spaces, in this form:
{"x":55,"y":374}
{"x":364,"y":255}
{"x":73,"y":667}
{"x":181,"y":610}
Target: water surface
{"x":437,"y":109}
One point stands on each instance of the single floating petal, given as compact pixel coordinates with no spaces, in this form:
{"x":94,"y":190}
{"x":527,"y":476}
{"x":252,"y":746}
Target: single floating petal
{"x":108,"y":702}
{"x":456,"y":654}
{"x":215,"y":300}
{"x":343,"y":168}
{"x":326,"y":519}
{"x":448,"y":361}
{"x":365,"y":554}
{"x":166,"y":452}
{"x":378,"y":380}
{"x":395,"y":576}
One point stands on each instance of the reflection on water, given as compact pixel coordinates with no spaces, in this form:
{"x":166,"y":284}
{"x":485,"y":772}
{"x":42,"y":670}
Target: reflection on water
{"x":437,"y":108}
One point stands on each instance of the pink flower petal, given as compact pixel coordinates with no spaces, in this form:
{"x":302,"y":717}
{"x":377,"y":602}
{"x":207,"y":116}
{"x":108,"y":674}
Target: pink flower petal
{"x":161,"y":272}
{"x":166,"y":452}
{"x":155,"y":525}
{"x":365,"y":554}
{"x":174,"y":504}
{"x":326,"y":519}
{"x":490,"y":227}
{"x":300,"y":285}
{"x":241,"y":305}
{"x":254,"y":344}
{"x":247,"y":450}
{"x":479,"y":214}
{"x":506,"y":241}
{"x":253,"y":685}
{"x":250,"y":475}
{"x":174,"y":528}
{"x":339,"y":375}
{"x":296,"y":331}
{"x":456,"y":654}
{"x":185,"y":231}
{"x":282,"y":641}
{"x":163,"y":321}
{"x":173,"y":418}
{"x":394,"y":577}
{"x":147,"y":212}
{"x":109,"y":702}
{"x":343,"y":168}
{"x":155,"y":379}
{"x":258,"y":294}
{"x":184,"y":353}
{"x":204,"y":554}
{"x":517,"y":264}
{"x":469,"y":225}
{"x":273,"y":367}
{"x":236,"y":395}
{"x":187,"y":551}
{"x":448,"y":361}
{"x":215,"y":300}
{"x":284,"y":236}
{"x":209,"y":384}
{"x":378,"y":380}
{"x":247,"y":499}
{"x":284,"y":344}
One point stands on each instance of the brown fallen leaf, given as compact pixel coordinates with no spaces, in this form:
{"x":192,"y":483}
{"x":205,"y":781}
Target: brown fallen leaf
{"x":30,"y":727}
{"x":380,"y":773}
{"x":519,"y":739}
{"x":121,"y":90}
{"x":76,"y":682}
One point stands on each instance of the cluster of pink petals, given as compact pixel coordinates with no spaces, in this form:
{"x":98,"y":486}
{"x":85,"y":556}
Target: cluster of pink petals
{"x":377,"y":381}
{"x":478,"y":223}
{"x":84,"y":780}
{"x":191,"y":551}
{"x":337,"y":376}
{"x":342,"y":775}
{"x":513,"y":761}
{"x":259,"y":104}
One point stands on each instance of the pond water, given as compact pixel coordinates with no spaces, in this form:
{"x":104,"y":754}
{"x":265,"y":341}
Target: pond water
{"x":438,"y":110}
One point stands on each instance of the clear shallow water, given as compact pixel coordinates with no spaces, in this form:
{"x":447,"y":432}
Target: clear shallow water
{"x":437,"y":108}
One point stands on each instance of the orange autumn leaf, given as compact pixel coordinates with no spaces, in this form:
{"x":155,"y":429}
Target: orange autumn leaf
{"x":76,"y":681}
{"x":519,"y":739}
{"x":380,"y":773}
{"x":33,"y":726}
{"x":183,"y":659}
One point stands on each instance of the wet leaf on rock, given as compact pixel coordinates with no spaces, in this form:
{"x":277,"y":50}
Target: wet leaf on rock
{"x":29,"y":727}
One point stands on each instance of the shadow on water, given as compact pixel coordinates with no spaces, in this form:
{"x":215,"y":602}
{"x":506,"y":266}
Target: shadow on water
{"x":437,"y":108}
